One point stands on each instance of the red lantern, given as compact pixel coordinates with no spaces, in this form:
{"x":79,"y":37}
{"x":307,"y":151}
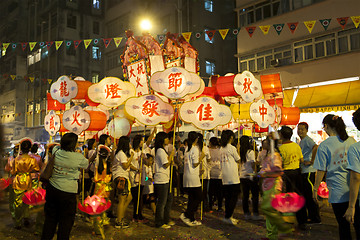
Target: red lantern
{"x":290,"y":115}
{"x":53,"y":104}
{"x":288,"y":202}
{"x":258,"y":129}
{"x":278,"y":101}
{"x":94,"y":205}
{"x":98,"y":120}
{"x":82,"y":89}
{"x":209,"y":92}
{"x":4,"y":183}
{"x":323,"y":191}
{"x":35,"y":197}
{"x":225,"y":86}
{"x":271,"y":83}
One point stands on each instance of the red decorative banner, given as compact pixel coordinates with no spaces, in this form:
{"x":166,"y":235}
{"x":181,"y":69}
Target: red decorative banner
{"x":210,"y":34}
{"x":24,"y":45}
{"x":342,"y":21}
{"x":250,"y":30}
{"x":293,"y":26}
{"x":107,"y":41}
{"x":77,"y":43}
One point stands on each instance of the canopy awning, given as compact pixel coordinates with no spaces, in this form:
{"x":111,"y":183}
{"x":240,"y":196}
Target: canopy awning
{"x":335,"y":97}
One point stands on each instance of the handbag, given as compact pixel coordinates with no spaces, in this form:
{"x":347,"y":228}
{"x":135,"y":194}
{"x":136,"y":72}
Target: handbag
{"x":121,"y":183}
{"x":45,"y":175}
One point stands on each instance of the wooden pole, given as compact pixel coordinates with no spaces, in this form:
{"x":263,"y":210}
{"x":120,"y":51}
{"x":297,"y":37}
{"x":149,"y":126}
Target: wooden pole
{"x":83,"y":180}
{"x":140,"y":167}
{"x":202,"y":182}
{"x":174,"y":129}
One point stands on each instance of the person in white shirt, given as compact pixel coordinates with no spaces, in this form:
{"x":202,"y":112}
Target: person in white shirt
{"x":247,"y":179}
{"x":215,"y":186}
{"x":147,"y":181}
{"x":163,"y":162}
{"x":204,"y":172}
{"x":230,"y":175}
{"x":192,"y":182}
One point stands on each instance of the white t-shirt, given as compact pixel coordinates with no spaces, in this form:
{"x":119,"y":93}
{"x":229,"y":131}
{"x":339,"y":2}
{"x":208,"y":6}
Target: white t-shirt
{"x":229,"y":167}
{"x":117,"y":169}
{"x":162,"y":175}
{"x":135,"y":163}
{"x":191,"y":174}
{"x":245,"y":168}
{"x":146,"y":175}
{"x":207,"y":165}
{"x":215,"y":172}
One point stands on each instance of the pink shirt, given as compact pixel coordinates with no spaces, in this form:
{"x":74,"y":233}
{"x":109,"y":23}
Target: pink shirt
{"x":271,"y":166}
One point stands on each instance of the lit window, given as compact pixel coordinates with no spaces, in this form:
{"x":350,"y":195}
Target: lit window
{"x":95,"y":78}
{"x":210,"y":67}
{"x":96,"y":54}
{"x":209,"y":5}
{"x":30,"y":60}
{"x":96,"y":4}
{"x":37,"y":55}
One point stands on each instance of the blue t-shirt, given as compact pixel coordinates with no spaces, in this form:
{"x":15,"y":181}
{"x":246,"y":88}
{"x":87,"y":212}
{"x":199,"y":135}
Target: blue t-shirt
{"x":331,"y":157}
{"x":66,"y":169}
{"x":307,"y":145}
{"x":354,"y":159}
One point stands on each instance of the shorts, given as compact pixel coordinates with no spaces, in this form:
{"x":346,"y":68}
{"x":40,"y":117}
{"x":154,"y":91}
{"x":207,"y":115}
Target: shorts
{"x":125,"y":190}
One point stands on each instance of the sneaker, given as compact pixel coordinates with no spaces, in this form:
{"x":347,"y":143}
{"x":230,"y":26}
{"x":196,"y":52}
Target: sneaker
{"x":311,"y":222}
{"x":247,"y":216}
{"x":165,"y":226}
{"x":185,"y":219}
{"x":122,"y":224}
{"x":171,"y":223}
{"x":196,"y":223}
{"x":257,"y":217}
{"x":230,"y":221}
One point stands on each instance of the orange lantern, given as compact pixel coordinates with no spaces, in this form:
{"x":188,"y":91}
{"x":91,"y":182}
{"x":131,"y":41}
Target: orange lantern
{"x":53,"y":104}
{"x":225,"y":86}
{"x":271,"y":83}
{"x":62,"y":128}
{"x":98,"y":120}
{"x":82,"y":89}
{"x":209,"y":91}
{"x":290,"y":115}
{"x":278,"y":101}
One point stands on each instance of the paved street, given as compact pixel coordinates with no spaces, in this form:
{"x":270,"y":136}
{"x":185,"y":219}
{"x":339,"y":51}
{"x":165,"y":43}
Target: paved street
{"x":212,"y":227}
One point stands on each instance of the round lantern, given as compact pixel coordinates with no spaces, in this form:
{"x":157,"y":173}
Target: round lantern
{"x":323,"y":191}
{"x":209,"y":91}
{"x":290,"y":115}
{"x":94,"y":205}
{"x":97,"y":120}
{"x":53,"y":104}
{"x":288,"y":202}
{"x":225,"y":86}
{"x":271,"y":83}
{"x":35,"y":197}
{"x":82,"y":89}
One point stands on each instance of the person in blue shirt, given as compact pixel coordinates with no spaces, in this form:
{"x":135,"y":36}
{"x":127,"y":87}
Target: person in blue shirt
{"x":331,"y":158}
{"x":353,"y":212}
{"x":308,"y":149}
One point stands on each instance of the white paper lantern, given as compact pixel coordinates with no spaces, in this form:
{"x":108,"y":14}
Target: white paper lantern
{"x":52,"y":123}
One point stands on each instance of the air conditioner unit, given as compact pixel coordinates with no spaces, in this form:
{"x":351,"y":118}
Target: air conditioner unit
{"x":276,"y":62}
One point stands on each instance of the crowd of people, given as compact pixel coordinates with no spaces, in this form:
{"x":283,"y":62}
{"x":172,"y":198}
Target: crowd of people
{"x":149,"y":170}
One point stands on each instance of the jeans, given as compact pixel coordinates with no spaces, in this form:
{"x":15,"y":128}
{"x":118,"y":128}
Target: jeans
{"x":205,"y":198}
{"x":312,"y":207}
{"x":231,"y":193}
{"x":194,"y":200}
{"x":215,"y":192}
{"x":60,"y":209}
{"x":248,"y":185}
{"x":344,"y":226}
{"x":163,"y":204}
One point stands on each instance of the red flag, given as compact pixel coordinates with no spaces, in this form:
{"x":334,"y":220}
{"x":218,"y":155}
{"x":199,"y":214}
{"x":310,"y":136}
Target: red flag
{"x":49,"y":44}
{"x":24,"y":45}
{"x":342,"y":21}
{"x":250,"y":30}
{"x":107,"y":41}
{"x":77,"y":43}
{"x":210,"y":34}
{"x":292,"y":26}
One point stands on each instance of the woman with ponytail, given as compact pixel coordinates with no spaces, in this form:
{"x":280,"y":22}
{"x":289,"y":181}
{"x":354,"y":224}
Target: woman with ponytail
{"x":331,"y":158}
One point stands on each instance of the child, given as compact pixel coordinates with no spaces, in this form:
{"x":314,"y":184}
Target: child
{"x":147,"y":182}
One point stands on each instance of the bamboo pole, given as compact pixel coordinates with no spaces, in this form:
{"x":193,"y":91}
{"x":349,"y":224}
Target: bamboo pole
{"x":174,"y":129}
{"x":140,"y":167}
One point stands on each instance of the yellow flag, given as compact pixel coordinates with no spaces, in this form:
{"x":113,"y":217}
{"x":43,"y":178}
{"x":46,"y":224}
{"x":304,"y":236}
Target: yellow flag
{"x":265,"y":29}
{"x":310,"y":25}
{"x":49,"y":80}
{"x":32,"y":45}
{"x":13,"y":77}
{"x":5,"y":45}
{"x":187,"y":36}
{"x":58,"y":44}
{"x":223,"y":33}
{"x":356,"y":20}
{"x":32,"y":79}
{"x":117,"y":41}
{"x":87,"y":42}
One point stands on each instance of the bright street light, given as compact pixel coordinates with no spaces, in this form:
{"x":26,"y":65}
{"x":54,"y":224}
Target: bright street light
{"x":145,"y":25}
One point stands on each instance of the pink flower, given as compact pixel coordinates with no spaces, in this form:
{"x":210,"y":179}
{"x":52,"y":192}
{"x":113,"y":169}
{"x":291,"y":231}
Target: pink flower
{"x":35,"y":197}
{"x":94,"y":205}
{"x":323,"y":191}
{"x":288,"y":202}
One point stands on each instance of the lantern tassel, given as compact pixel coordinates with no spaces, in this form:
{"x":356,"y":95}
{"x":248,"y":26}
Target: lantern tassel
{"x":141,"y":163}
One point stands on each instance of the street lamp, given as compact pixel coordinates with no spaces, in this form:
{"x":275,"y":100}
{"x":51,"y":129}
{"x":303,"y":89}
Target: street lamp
{"x":145,"y":25}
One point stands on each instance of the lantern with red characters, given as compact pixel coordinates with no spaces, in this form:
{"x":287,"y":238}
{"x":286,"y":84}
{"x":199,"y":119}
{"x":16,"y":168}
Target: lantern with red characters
{"x":288,"y":202}
{"x":94,"y":205}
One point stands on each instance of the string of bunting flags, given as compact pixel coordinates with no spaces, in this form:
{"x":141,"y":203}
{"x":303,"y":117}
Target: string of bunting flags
{"x":26,"y":78}
{"x":18,"y":114}
{"x":342,"y":21}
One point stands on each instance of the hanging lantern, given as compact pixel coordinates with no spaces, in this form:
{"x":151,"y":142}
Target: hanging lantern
{"x":262,"y":113}
{"x":119,"y":127}
{"x":225,"y":86}
{"x":52,"y":123}
{"x":290,"y":116}
{"x":94,"y":205}
{"x":244,"y":112}
{"x":271,"y":83}
{"x":205,"y":113}
{"x":76,"y":120}
{"x":209,"y":92}
{"x":288,"y":202}
{"x":258,"y":129}
{"x":149,"y":110}
{"x":97,"y":120}
{"x":4,"y":183}
{"x":82,"y":87}
{"x":198,"y":93}
{"x":53,"y":104}
{"x":323,"y":190}
{"x":34,"y":197}
{"x":247,"y":86}
{"x":277,"y":101}
{"x":64,"y":89}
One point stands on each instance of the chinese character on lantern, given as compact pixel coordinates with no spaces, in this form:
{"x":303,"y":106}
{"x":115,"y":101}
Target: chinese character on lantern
{"x":149,"y":108}
{"x":63,"y":89}
{"x":112,"y":90}
{"x":52,"y":123}
{"x":247,"y":86}
{"x":175,"y":80}
{"x":140,"y":68}
{"x":138,"y":76}
{"x":262,"y":113}
{"x":75,"y":118}
{"x":205,"y":113}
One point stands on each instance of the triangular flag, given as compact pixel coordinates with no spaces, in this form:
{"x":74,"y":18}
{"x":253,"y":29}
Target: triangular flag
{"x":77,"y":43}
{"x":58,"y":44}
{"x":32,"y":79}
{"x":187,"y":36}
{"x":107,"y":41}
{"x":43,"y":80}
{"x":292,"y":27}
{"x":223,"y":33}
{"x":161,"y":37}
{"x":356,"y":20}
{"x":32,"y":45}
{"x":342,"y":21}
{"x":278,"y":28}
{"x":235,"y":31}
{"x":309,"y":25}
{"x":210,"y":34}
{"x":49,"y":44}
{"x":117,"y":41}
{"x":198,"y":35}
{"x":176,"y":35}
{"x":13,"y":46}
{"x":87,"y":42}
{"x":96,"y":41}
{"x":49,"y":80}
{"x":68,"y":44}
{"x":5,"y":45}
{"x":41,"y":44}
{"x":24,"y":45}
{"x":13,"y":77}
{"x":325,"y":23}
{"x":265,"y":29}
{"x":250,"y":30}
